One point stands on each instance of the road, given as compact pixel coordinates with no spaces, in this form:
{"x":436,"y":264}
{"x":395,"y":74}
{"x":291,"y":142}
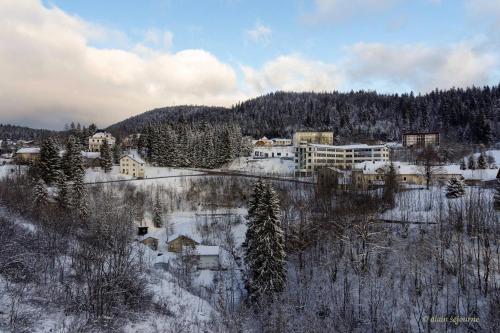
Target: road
{"x":208,"y":172}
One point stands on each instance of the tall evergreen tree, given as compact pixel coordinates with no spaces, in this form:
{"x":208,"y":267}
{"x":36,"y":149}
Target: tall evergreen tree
{"x":482,"y":163}
{"x":72,"y":161}
{"x":390,"y":185}
{"x":40,"y":194}
{"x":471,"y":162}
{"x":106,"y":159}
{"x":265,"y":251}
{"x":157,"y":213}
{"x":463,"y":166}
{"x":455,"y":188}
{"x":496,"y":195}
{"x":49,"y":162}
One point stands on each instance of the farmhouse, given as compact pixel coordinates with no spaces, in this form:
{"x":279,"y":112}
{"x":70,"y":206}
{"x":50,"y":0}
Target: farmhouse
{"x":151,"y":242}
{"x":96,"y":141}
{"x":25,"y":155}
{"x":373,"y":173}
{"x":176,"y":244}
{"x":132,"y":165}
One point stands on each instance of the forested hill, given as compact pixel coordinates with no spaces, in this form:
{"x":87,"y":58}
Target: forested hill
{"x":465,"y":115}
{"x":20,"y":132}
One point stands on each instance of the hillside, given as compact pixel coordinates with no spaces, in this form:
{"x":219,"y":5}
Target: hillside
{"x":14,"y":132}
{"x":465,"y":115}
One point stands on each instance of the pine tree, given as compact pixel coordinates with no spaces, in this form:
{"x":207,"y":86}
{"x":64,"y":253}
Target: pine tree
{"x":79,"y":197}
{"x":72,"y":161}
{"x":471,"y":164}
{"x":253,"y":205}
{"x":63,"y":192}
{"x":40,"y":194}
{"x":265,"y":251}
{"x":390,"y":185}
{"x":157,"y":213}
{"x":482,"y":162}
{"x":106,"y":160}
{"x":455,"y":188}
{"x":496,"y":195}
{"x":49,"y":162}
{"x":463,"y":166}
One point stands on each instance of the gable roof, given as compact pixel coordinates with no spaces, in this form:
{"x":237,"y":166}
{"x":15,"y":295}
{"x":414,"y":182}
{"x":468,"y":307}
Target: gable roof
{"x":134,"y":157}
{"x":28,"y":150}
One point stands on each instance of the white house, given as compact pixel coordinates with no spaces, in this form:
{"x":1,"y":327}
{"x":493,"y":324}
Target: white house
{"x":132,"y":165}
{"x":208,"y":256}
{"x":96,"y":141}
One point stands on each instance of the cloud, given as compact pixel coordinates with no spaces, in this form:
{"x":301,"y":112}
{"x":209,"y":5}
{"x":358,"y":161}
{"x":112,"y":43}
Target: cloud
{"x":335,"y":11}
{"x":51,"y":74}
{"x":292,"y":73}
{"x":259,"y":34}
{"x":418,"y":66}
{"x":484,"y":11}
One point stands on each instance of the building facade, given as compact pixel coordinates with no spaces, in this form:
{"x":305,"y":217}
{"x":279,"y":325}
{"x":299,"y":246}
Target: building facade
{"x":369,"y":174}
{"x":311,"y":157}
{"x":96,"y":141}
{"x":323,"y":138}
{"x":273,"y":152}
{"x":281,"y":142}
{"x":26,"y":155}
{"x":420,"y":139}
{"x":133,"y":166}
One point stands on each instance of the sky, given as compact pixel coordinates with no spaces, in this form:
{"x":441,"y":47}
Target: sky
{"x":104,"y":61}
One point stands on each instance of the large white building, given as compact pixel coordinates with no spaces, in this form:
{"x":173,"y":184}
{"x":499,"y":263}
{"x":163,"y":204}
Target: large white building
{"x":311,"y":157}
{"x":96,"y":141}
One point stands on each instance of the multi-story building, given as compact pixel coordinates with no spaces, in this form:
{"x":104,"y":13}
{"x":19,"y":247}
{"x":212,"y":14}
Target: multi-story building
{"x":322,"y":138}
{"x":26,"y":155}
{"x":132,"y":165}
{"x":96,"y":140}
{"x":414,"y":139}
{"x":311,"y":157}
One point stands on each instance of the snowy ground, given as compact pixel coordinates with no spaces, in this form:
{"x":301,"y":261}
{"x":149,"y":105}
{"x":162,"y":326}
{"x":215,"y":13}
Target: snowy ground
{"x":273,"y":166}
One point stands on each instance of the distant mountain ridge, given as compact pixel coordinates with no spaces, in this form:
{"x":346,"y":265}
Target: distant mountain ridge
{"x":461,"y":115}
{"x":15,"y":132}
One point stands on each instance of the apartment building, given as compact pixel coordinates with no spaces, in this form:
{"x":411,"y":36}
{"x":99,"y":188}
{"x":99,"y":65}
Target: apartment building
{"x":420,"y":139}
{"x":322,"y":138}
{"x":311,"y":157}
{"x":96,"y":140}
{"x":132,"y":165}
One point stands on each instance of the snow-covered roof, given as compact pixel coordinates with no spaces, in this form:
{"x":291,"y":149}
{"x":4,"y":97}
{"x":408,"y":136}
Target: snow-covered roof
{"x":29,"y":150}
{"x":353,"y":146}
{"x":405,"y":168}
{"x":197,"y":239}
{"x":102,"y":135}
{"x":91,"y":154}
{"x":135,"y":158}
{"x":207,"y":250}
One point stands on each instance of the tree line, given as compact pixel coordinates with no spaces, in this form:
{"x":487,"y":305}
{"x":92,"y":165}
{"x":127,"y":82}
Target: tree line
{"x":192,"y":145}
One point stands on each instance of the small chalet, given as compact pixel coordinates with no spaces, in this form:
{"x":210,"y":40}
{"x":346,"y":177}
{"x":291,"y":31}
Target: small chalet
{"x":151,"y":242}
{"x":96,"y":141}
{"x":132,"y":165}
{"x":26,"y":155}
{"x":263,"y":142}
{"x":208,"y":256}
{"x":176,"y":244}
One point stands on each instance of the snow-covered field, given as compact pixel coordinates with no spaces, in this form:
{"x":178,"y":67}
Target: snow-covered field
{"x":271,"y":166}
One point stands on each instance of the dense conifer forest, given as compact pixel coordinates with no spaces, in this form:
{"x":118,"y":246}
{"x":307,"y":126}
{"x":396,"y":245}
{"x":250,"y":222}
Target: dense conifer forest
{"x":465,"y":115}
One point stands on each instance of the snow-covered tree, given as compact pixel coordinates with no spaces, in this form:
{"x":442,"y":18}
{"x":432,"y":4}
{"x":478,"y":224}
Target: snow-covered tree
{"x":482,"y":163}
{"x":390,"y":185}
{"x":63,"y":192}
{"x":40,"y":193}
{"x":72,"y":161}
{"x":49,"y":162}
{"x":471,"y":162}
{"x":106,"y":159}
{"x":265,"y":251}
{"x":463,"y":166}
{"x":496,"y":195}
{"x":79,"y":197}
{"x":455,"y":188}
{"x":157,"y":213}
